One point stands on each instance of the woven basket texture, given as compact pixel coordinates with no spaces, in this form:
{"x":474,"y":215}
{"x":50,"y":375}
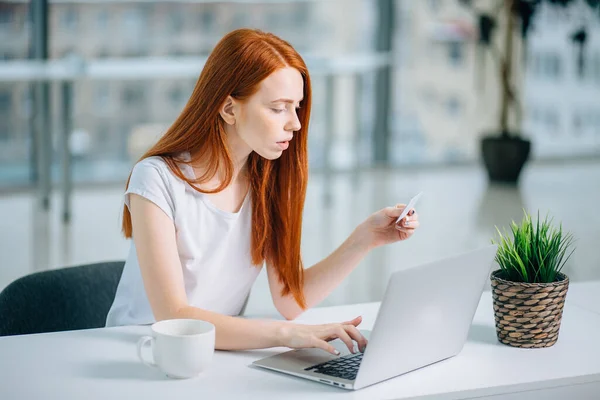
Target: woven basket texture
{"x":528,"y":315}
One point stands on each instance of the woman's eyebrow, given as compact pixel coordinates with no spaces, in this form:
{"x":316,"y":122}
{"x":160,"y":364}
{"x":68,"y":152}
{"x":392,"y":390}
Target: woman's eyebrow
{"x":283,"y":100}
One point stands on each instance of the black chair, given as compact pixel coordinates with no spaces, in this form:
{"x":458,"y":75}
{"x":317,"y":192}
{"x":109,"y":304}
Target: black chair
{"x":60,"y":299}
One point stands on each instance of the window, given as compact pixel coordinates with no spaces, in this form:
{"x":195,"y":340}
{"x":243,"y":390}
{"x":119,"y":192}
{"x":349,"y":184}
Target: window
{"x":546,"y":65}
{"x":101,"y":96}
{"x":133,"y":94}
{"x":176,"y":21}
{"x":136,"y":51}
{"x":552,"y":16}
{"x":26,"y":102}
{"x":69,"y":19}
{"x":533,"y":114}
{"x":595,"y":68}
{"x":5,"y":102}
{"x":133,"y":21}
{"x":207,"y":19}
{"x":553,"y":65}
{"x":102,"y":53}
{"x":4,"y":131}
{"x":175,"y":52}
{"x":67,"y":52}
{"x":552,"y":121}
{"x":429,"y":97}
{"x":103,"y":134}
{"x":454,"y":106}
{"x":7,"y":55}
{"x":577,"y":123}
{"x":6,"y":16}
{"x":240,"y":19}
{"x":177,"y":96}
{"x":455,"y":53}
{"x":434,"y":5}
{"x":301,"y":14}
{"x":535,"y":63}
{"x":586,"y":120}
{"x":102,"y":19}
{"x":5,"y":111}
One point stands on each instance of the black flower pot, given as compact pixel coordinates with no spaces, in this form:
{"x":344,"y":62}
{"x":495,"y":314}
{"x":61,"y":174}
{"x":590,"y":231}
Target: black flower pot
{"x":504,"y":156}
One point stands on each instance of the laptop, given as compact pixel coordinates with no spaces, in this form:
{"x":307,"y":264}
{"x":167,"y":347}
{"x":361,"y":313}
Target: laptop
{"x":424,"y":317}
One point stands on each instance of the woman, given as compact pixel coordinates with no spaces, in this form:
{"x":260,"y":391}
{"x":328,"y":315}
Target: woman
{"x":222,"y":193}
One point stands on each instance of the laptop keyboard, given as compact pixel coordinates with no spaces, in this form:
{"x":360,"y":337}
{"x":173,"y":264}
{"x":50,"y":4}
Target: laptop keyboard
{"x":345,"y":367}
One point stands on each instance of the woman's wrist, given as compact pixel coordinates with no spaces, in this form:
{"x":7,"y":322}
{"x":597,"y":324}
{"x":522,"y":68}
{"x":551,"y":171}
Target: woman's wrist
{"x":361,"y":238}
{"x":280,"y":332}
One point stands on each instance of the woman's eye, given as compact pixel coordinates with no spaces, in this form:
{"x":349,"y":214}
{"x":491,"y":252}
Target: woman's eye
{"x":277,"y":110}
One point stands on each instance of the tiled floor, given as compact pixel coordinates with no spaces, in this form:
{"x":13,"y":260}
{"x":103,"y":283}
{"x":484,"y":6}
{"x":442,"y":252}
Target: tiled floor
{"x":458,"y":212}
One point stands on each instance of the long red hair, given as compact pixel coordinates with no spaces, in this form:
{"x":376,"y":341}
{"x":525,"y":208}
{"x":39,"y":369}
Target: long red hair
{"x":236,"y":66}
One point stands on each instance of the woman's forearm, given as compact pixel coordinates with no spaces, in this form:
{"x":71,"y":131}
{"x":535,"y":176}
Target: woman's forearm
{"x":326,"y":275}
{"x":235,"y":333}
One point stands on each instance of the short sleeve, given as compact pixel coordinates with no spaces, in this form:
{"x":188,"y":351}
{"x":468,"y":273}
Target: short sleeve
{"x":150,"y":180}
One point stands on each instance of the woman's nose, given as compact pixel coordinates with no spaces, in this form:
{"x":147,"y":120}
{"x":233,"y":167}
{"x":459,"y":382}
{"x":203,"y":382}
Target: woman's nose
{"x":294,"y":124}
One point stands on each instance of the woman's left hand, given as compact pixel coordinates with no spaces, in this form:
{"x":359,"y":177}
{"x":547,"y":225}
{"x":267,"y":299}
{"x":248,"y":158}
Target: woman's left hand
{"x":381,"y":227}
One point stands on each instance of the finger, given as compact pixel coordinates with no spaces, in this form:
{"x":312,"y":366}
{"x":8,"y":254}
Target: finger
{"x":411,"y":224}
{"x":394,"y":212}
{"x":356,"y":336}
{"x":413,"y":214}
{"x":410,"y":216}
{"x":405,"y":230}
{"x":409,"y":220}
{"x":321,"y":344}
{"x":356,"y":321}
{"x":408,"y":231}
{"x":340,"y":332}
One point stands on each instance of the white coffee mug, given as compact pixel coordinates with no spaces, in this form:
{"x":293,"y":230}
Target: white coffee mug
{"x":181,"y":348}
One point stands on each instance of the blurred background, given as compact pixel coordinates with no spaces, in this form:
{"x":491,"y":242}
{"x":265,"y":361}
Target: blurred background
{"x":404,"y":92}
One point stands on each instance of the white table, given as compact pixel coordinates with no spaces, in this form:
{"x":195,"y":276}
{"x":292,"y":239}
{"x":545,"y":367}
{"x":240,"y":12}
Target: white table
{"x":586,"y":295}
{"x":102,"y":364}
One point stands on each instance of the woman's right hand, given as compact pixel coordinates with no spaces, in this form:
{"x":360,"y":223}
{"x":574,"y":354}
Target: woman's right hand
{"x":297,"y":336}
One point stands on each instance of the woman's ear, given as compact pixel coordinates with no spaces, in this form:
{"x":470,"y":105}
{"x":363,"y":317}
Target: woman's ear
{"x":227,"y":112}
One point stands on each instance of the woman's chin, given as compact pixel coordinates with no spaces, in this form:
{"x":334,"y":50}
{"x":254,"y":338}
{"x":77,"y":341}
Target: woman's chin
{"x":270,"y":154}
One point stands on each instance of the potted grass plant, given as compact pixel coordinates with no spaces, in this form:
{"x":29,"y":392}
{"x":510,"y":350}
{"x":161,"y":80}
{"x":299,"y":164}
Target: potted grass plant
{"x":529,"y":289}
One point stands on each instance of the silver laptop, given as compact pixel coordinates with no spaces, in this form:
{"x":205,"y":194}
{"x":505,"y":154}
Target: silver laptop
{"x":424,"y":317}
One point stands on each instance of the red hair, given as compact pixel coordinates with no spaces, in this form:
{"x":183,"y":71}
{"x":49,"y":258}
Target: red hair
{"x":239,"y":62}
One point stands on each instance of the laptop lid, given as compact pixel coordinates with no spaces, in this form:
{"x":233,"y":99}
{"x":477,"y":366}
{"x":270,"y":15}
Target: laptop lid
{"x":425,"y":315}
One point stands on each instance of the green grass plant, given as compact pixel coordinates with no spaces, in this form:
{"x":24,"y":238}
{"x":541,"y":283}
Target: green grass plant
{"x":536,"y":252}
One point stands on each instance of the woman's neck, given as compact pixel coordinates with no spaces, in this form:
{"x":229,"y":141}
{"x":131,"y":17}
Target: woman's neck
{"x":239,"y":152}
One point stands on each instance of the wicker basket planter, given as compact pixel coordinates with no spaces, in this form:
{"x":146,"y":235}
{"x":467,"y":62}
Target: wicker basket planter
{"x":528,"y":315}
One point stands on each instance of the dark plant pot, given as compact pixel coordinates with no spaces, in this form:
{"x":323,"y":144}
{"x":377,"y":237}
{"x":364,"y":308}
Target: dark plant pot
{"x":504,"y":157}
{"x":528,"y":315}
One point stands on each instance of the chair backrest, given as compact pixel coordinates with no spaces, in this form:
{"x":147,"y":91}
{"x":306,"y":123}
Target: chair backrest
{"x":60,"y":299}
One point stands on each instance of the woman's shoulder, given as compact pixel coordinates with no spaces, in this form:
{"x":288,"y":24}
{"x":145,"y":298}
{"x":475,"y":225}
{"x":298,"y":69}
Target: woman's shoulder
{"x":155,"y":169}
{"x":154,"y":162}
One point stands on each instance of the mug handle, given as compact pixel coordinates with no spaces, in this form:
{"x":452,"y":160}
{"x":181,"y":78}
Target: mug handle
{"x":140,"y":345}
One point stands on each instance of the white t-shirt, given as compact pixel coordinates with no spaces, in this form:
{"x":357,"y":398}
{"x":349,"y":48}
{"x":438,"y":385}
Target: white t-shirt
{"x":213,"y":247}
